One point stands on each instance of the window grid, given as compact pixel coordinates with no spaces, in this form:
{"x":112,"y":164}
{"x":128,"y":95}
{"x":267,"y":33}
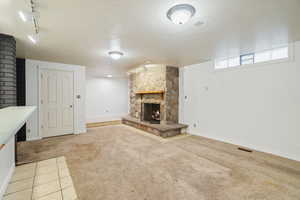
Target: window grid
{"x":247,"y":59}
{"x":253,"y":58}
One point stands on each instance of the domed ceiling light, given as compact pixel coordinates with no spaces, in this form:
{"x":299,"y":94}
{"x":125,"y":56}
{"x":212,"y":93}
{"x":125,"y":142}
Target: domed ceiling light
{"x":116,"y":55}
{"x":180,"y":14}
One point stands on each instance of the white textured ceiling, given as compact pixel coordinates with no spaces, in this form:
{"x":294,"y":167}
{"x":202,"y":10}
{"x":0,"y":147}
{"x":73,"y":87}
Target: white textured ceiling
{"x":83,"y":31}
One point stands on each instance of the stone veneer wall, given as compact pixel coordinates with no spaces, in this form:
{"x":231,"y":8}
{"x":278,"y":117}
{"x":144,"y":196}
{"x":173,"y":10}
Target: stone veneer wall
{"x":156,"y":78}
{"x":8,"y":82}
{"x":172,"y":94}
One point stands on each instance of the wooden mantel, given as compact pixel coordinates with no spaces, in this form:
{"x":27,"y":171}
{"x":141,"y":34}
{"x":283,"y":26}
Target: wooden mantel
{"x":142,"y":93}
{"x":151,"y":92}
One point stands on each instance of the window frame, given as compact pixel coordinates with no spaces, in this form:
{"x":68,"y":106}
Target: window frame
{"x":244,"y":55}
{"x":269,"y":59}
{"x":291,"y":49}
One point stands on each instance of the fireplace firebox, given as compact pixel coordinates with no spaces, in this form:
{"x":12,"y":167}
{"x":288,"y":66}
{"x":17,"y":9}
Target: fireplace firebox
{"x":151,"y":113}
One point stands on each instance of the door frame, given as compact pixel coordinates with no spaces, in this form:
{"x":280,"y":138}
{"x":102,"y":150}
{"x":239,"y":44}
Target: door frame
{"x":59,"y":68}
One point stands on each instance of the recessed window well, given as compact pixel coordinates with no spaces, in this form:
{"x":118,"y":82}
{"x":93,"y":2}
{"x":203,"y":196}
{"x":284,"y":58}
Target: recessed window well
{"x":181,"y":14}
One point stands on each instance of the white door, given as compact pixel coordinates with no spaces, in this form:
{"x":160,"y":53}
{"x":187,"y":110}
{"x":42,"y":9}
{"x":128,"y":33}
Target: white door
{"x":56,"y":92}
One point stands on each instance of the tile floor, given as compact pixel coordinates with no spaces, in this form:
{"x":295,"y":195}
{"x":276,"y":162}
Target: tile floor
{"x":44,"y":180}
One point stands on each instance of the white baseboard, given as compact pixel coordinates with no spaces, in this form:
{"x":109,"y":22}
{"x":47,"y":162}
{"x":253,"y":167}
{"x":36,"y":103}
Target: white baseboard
{"x":6,"y":181}
{"x":243,"y":144}
{"x":81,"y":130}
{"x":105,"y":118}
{"x":34,"y":138}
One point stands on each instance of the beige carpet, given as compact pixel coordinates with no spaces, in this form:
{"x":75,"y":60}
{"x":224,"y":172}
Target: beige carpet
{"x":122,"y":163}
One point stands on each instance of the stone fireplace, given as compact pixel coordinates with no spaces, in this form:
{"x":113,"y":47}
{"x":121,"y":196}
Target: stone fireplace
{"x":154,"y":99}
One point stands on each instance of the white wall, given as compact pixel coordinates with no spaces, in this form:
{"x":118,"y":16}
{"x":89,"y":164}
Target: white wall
{"x":32,"y":95}
{"x":106,"y":99}
{"x":257,"y":106}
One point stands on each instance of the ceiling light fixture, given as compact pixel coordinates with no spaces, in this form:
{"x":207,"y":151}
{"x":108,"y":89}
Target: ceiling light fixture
{"x":116,"y":55}
{"x":22,"y":16}
{"x":181,"y":13}
{"x":28,"y":16}
{"x":32,"y":16}
{"x":33,"y":39}
{"x":109,"y":76}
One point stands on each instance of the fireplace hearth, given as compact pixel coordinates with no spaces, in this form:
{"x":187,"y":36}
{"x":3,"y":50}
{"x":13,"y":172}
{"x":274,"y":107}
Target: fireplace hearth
{"x":151,"y":113}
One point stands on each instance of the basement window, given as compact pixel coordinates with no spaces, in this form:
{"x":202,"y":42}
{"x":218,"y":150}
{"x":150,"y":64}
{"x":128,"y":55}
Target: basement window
{"x":280,"y":53}
{"x":247,"y":59}
{"x":233,"y":62}
{"x":221,"y":64}
{"x":263,"y":56}
{"x":275,"y":54}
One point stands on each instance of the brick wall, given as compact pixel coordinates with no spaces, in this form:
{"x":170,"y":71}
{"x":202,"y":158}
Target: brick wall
{"x":8,"y":89}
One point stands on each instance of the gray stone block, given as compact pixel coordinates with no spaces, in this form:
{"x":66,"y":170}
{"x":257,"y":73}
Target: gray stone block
{"x":8,"y":82}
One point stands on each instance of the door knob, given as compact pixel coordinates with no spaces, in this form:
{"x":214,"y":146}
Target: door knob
{"x":71,"y":106}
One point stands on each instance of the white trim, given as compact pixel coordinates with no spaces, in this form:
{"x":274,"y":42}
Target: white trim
{"x":73,"y":102}
{"x":181,"y":96}
{"x":105,"y":118}
{"x":80,"y":130}
{"x":34,"y":138}
{"x":7,"y":180}
{"x":39,"y":121}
